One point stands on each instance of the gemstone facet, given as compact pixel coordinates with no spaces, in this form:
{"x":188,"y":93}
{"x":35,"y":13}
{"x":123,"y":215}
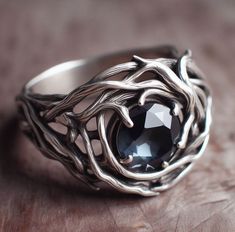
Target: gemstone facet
{"x":151,"y":140}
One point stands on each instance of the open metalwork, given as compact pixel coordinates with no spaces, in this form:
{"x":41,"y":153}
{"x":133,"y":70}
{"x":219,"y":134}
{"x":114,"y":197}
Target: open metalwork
{"x":72,"y":119}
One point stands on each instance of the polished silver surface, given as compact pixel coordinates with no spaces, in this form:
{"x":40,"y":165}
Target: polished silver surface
{"x":69,"y":113}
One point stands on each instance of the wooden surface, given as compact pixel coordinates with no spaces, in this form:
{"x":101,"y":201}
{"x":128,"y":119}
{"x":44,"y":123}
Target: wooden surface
{"x":37,"y":194}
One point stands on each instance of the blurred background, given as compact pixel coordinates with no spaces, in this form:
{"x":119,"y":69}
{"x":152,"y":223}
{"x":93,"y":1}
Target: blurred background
{"x":34,"y":35}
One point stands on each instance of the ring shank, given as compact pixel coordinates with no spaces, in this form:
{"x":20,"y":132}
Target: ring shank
{"x":66,"y":77}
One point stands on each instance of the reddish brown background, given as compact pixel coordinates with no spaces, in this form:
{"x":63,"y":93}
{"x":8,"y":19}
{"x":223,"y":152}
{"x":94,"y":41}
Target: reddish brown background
{"x":37,"y":194}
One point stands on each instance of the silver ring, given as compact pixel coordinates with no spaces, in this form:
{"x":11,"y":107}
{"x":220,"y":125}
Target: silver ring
{"x":137,"y":120}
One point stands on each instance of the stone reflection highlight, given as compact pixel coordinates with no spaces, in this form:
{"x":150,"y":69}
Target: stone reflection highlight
{"x":151,"y":140}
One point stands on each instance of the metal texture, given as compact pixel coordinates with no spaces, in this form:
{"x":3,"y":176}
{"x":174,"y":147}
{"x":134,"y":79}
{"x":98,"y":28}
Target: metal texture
{"x":174,"y":81}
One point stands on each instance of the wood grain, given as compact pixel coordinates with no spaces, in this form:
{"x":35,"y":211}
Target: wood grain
{"x":38,"y":194}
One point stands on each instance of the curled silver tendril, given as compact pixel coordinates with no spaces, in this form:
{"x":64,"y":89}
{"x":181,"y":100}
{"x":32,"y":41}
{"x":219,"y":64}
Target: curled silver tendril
{"x":177,"y":80}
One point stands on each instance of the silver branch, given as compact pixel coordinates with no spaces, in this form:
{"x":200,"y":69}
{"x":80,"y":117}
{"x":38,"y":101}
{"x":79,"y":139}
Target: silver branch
{"x":177,"y":80}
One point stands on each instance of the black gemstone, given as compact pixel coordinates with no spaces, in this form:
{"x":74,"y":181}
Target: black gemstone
{"x":151,"y":140}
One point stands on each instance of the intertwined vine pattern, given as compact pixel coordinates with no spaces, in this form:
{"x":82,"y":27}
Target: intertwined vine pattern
{"x":175,"y":81}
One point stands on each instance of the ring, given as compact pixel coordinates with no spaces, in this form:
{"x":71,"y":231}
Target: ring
{"x":137,"y":120}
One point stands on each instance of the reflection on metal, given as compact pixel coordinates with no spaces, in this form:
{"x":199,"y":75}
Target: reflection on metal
{"x":177,"y":83}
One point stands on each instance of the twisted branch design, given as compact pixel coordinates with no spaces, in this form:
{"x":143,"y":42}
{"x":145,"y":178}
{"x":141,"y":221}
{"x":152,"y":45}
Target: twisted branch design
{"x":179,"y":81}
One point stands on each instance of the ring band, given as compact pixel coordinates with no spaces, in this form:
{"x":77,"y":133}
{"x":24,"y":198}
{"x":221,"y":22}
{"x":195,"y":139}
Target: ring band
{"x":137,"y":120}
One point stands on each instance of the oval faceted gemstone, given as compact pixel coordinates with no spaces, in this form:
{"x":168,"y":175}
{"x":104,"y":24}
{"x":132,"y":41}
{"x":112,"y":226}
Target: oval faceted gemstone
{"x":151,"y":140}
